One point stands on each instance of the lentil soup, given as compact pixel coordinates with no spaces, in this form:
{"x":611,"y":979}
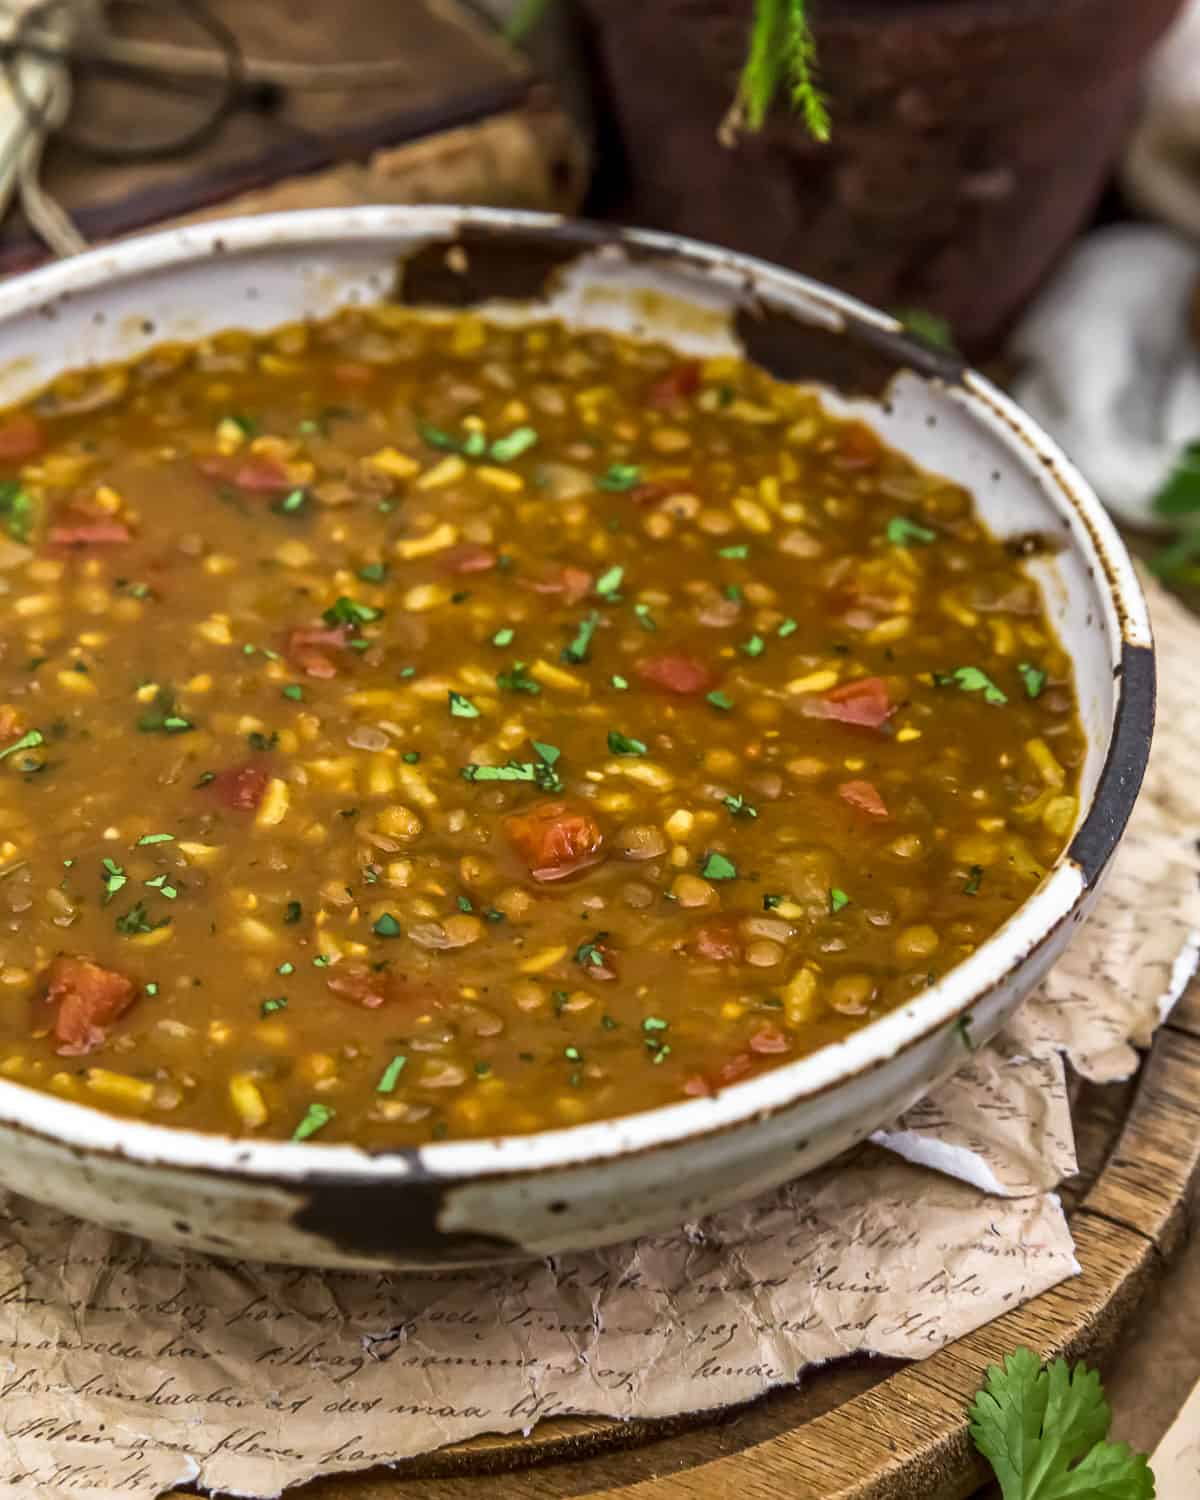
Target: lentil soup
{"x":417,"y":729}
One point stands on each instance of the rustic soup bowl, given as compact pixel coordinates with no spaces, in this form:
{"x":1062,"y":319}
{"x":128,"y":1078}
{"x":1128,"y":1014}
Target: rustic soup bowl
{"x":476,"y":1201}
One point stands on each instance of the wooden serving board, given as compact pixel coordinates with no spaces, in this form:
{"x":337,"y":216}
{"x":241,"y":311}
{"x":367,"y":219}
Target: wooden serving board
{"x":876,"y":1429}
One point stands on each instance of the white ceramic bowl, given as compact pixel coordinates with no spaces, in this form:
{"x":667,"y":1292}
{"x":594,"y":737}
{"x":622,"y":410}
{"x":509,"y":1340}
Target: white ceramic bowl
{"x":472,"y":1201}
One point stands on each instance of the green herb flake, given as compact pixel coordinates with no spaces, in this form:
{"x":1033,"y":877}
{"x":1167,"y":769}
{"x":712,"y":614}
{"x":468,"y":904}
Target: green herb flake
{"x":608,"y":1023}
{"x":292,"y":912}
{"x":549,"y":753}
{"x":294,"y":691}
{"x":902,"y":532}
{"x":838,"y":900}
{"x":620,"y":683}
{"x":464,"y":904}
{"x":374,"y":572}
{"x":161,"y":717}
{"x":718,"y":867}
{"x":347,"y":611}
{"x":773,"y":899}
{"x":291,"y":503}
{"x":654,"y":1023}
{"x":559,"y":998}
{"x":733,"y":592}
{"x":391,"y":1074}
{"x":482,"y":1069}
{"x":262,"y":742}
{"x":619,"y":477}
{"x":789,"y":627}
{"x":719,"y":700}
{"x":114,"y":877}
{"x":1033,"y":678}
{"x":609,"y":582}
{"x":621,"y":744}
{"x":572,"y":1054}
{"x":504,"y":637}
{"x":589,"y":954}
{"x":286,"y":968}
{"x":316,"y":1117}
{"x":517,"y":680}
{"x":411,"y":757}
{"x":518,"y":441}
{"x":28,"y":741}
{"x":461,"y":707}
{"x":645,"y":618}
{"x":16,"y":509}
{"x":136,"y":920}
{"x":739,"y":807}
{"x":513,"y":771}
{"x":972,"y":680}
{"x":154,"y":838}
{"x":755,"y":646}
{"x":164,"y":887}
{"x":152,"y":988}
{"x":973,"y":881}
{"x":386,"y":926}
{"x":737,"y":553}
{"x":270,"y":1006}
{"x":580,"y":647}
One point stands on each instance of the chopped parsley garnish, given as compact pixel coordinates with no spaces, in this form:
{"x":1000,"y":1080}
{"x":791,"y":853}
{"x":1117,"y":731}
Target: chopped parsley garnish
{"x":205,"y":778}
{"x":609,"y":582}
{"x":655,"y":1023}
{"x":621,"y":744}
{"x":161,"y":717}
{"x":620,"y":683}
{"x":517,"y":680}
{"x":787,"y":628}
{"x":292,"y":912}
{"x":572,"y":1054}
{"x":619,"y":477}
{"x":154,"y":838}
{"x":719,"y":700}
{"x":514,"y":771}
{"x":294,"y":691}
{"x":28,"y":741}
{"x":462,"y":708}
{"x":161,"y":884}
{"x":1033,"y":678}
{"x":374,"y":572}
{"x":152,"y":988}
{"x":286,"y":967}
{"x":973,"y":881}
{"x":464,"y":904}
{"x":739,"y":807}
{"x":262,"y":742}
{"x":590,"y":954}
{"x":16,"y":509}
{"x":482,"y":1069}
{"x":411,"y":757}
{"x":114,"y":877}
{"x":548,"y":753}
{"x":391,"y":1074}
{"x":737,"y":553}
{"x":755,"y":646}
{"x":269,"y":1007}
{"x":504,"y":637}
{"x":518,"y":441}
{"x":579,"y":648}
{"x":347,"y":611}
{"x":645,"y":618}
{"x":902,"y":532}
{"x":718,"y":867}
{"x":316,"y":1117}
{"x":247,"y":426}
{"x":972,"y":680}
{"x":608,"y":1023}
{"x":386,"y":926}
{"x":773,"y":899}
{"x":291,"y":503}
{"x":135,"y":920}
{"x":837,"y":900}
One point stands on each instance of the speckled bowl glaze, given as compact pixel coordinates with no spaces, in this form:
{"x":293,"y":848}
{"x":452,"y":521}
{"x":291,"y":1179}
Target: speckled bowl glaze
{"x":470,"y":1202}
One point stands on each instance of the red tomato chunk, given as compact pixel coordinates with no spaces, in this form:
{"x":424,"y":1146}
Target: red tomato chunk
{"x":86,"y":999}
{"x":555,"y":839}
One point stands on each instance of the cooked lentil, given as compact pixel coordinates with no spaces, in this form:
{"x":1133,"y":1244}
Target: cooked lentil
{"x":420,"y":728}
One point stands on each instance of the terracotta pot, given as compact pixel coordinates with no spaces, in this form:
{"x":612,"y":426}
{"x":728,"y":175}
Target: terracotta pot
{"x":971,"y":139}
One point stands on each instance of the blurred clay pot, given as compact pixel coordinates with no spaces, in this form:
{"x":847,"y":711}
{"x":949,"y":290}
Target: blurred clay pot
{"x":971,"y":139}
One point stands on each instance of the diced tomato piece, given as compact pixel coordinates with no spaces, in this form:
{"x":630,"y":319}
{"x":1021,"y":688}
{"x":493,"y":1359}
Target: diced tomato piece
{"x":10,"y":723}
{"x":864,"y":702}
{"x":652,"y":491}
{"x":676,"y":674}
{"x":240,"y":788}
{"x":86,"y":999}
{"x":863,"y":795}
{"x":737,"y":1067}
{"x":718,"y":940}
{"x":573,"y":584}
{"x":696,"y":1086}
{"x":351,"y":372}
{"x":303,"y":648}
{"x":22,"y":436}
{"x":677,"y":384}
{"x":555,"y":839}
{"x":88,"y":532}
{"x":466,"y":558}
{"x":859,"y":448}
{"x":769,"y":1040}
{"x":258,"y":474}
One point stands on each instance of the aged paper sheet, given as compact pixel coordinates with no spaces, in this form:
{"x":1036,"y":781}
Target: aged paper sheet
{"x":126,"y":1369}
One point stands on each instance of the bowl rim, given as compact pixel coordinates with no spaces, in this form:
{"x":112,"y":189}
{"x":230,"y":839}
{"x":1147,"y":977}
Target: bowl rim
{"x":1059,"y":899}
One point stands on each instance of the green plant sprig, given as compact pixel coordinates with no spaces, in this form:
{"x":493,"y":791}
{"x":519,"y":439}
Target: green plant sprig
{"x":782,"y":54}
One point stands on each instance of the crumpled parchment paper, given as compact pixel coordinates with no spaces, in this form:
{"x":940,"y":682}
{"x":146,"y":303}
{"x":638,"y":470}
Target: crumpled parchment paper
{"x":126,"y":1369}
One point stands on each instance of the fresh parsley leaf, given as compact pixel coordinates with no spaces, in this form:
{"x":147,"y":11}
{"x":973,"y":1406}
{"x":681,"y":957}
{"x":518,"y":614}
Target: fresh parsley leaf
{"x":386,"y":926}
{"x":972,"y":680}
{"x":620,"y":683}
{"x":113,"y":876}
{"x":461,"y":707}
{"x":621,"y":744}
{"x":1033,"y":678}
{"x":294,"y":691}
{"x":503,"y":637}
{"x":609,"y":582}
{"x":787,"y":628}
{"x":161,"y":718}
{"x":1180,"y":495}
{"x":513,"y":771}
{"x":517,"y":680}
{"x":518,"y":441}
{"x":135,"y":920}
{"x":292,"y":503}
{"x":16,"y":510}
{"x":590,"y":954}
{"x":292,"y":912}
{"x":618,"y":477}
{"x":755,"y":646}
{"x":973,"y":881}
{"x":719,"y":700}
{"x":347,"y":611}
{"x":838,"y":900}
{"x":739,"y":807}
{"x":391,"y":1074}
{"x":316,"y":1117}
{"x":902,"y":532}
{"x":28,"y":741}
{"x":738,"y":552}
{"x":374,"y":572}
{"x":1045,"y":1431}
{"x":718,"y":867}
{"x":580,"y":647}
{"x":773,"y":899}
{"x":269,"y":1007}
{"x":645,"y":618}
